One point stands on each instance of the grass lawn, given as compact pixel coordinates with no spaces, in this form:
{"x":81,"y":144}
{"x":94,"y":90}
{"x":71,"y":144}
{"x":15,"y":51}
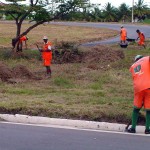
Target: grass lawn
{"x":74,"y":91}
{"x":147,"y":21}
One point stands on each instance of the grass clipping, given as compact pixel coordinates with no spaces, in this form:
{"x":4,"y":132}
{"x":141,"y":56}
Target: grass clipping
{"x":18,"y":72}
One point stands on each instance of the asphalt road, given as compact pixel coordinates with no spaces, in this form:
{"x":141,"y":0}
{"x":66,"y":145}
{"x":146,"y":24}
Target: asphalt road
{"x":131,"y":30}
{"x":27,"y":137}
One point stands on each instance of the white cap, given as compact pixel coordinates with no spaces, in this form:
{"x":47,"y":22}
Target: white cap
{"x":137,"y":57}
{"x":45,"y":38}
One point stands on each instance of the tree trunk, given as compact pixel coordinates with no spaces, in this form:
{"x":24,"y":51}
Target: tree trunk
{"x":16,"y":45}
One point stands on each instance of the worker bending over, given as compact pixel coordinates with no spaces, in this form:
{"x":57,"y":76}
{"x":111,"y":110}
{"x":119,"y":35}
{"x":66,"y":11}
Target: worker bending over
{"x":141,"y":38}
{"x":140,"y":71}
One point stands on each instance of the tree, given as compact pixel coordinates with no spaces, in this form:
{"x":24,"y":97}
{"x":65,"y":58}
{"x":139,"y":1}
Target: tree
{"x":123,"y":12}
{"x":110,"y":12}
{"x":40,"y":11}
{"x":96,"y":14}
{"x":140,"y":9}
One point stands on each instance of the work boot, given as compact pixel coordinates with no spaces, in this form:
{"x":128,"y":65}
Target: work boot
{"x":131,"y":130}
{"x":147,"y":131}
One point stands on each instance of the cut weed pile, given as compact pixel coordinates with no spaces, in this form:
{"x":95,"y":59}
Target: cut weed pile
{"x":18,"y":72}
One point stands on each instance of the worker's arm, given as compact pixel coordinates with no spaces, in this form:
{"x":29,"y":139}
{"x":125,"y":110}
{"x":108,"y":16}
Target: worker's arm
{"x":137,"y":38}
{"x":49,"y":49}
{"x":25,"y":44}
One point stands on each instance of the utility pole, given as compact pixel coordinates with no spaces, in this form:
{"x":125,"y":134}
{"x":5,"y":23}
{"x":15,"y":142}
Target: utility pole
{"x":52,"y":7}
{"x":132,"y":11}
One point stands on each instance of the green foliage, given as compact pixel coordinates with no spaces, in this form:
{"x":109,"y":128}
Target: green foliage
{"x":124,"y":12}
{"x":41,"y":14}
{"x":147,"y":21}
{"x":110,"y":13}
{"x":82,"y":10}
{"x":140,"y":9}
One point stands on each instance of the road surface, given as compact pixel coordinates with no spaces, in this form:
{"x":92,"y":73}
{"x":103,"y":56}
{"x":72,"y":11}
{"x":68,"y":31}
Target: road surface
{"x":131,"y":29}
{"x":28,"y":137}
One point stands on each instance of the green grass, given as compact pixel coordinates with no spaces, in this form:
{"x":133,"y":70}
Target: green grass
{"x":63,"y":82}
{"x":147,"y":21}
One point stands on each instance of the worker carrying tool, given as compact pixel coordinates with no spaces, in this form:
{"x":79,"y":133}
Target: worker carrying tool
{"x":140,"y":71}
{"x":47,"y":55}
{"x":141,"y":38}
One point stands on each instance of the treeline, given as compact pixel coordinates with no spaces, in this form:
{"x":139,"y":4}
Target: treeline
{"x":109,"y":13}
{"x":79,"y":10}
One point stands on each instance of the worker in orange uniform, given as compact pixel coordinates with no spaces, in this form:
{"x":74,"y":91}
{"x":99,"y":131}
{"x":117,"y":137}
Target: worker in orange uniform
{"x":21,"y":40}
{"x":140,"y":71}
{"x":47,"y":55}
{"x":141,"y":38}
{"x":123,"y":35}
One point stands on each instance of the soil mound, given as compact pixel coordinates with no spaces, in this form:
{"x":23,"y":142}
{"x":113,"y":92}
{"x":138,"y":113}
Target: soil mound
{"x":102,"y":54}
{"x":5,"y":72}
{"x":19,"y":72}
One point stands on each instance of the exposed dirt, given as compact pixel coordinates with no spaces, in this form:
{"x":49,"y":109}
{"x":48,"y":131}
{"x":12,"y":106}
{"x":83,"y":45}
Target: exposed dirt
{"x":5,"y":72}
{"x":18,"y":72}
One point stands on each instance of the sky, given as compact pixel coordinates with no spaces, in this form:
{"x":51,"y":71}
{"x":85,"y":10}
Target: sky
{"x":117,"y":3}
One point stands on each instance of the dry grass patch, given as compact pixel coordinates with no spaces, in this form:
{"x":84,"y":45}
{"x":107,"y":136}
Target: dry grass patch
{"x":55,"y":33}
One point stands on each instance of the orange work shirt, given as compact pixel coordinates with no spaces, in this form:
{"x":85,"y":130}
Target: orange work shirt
{"x":23,"y":38}
{"x":140,"y":71}
{"x":47,"y":55}
{"x":123,"y":34}
{"x":142,"y":38}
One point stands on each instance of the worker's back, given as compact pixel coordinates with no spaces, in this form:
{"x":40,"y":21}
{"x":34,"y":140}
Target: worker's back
{"x":141,"y":74}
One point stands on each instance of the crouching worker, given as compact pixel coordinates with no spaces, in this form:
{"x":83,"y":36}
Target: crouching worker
{"x":140,"y":71}
{"x":47,"y":55}
{"x":18,"y":45}
{"x":21,"y":40}
{"x":141,"y":38}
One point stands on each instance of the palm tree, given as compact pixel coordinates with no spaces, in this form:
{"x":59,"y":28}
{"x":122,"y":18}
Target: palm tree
{"x":110,"y":13}
{"x":123,"y":12}
{"x":96,"y":14}
{"x":140,"y":9}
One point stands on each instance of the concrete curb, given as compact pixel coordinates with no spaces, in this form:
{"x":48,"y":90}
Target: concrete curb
{"x":67,"y":122}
